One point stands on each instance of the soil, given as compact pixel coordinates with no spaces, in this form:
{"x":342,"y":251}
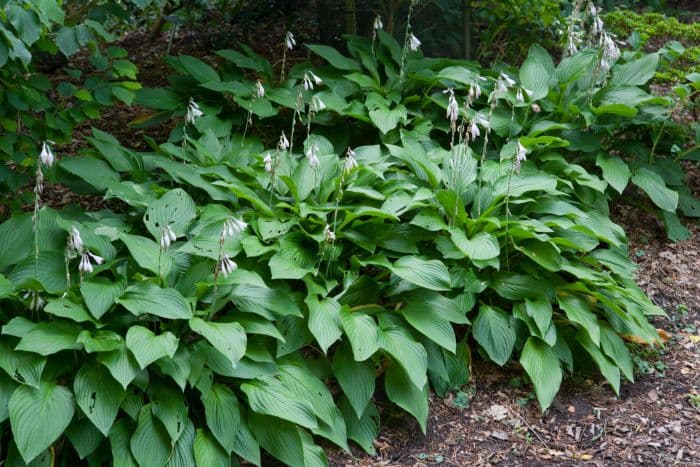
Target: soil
{"x":495,"y":419}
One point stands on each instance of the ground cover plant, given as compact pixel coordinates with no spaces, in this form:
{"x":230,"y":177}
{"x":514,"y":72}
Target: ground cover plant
{"x":301,"y":244}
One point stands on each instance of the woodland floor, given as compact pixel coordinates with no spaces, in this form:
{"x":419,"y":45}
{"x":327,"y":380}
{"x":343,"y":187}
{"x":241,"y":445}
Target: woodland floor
{"x":495,"y":420}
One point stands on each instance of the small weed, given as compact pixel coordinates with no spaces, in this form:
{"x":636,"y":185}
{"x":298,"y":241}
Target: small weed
{"x":694,"y":399}
{"x":463,"y":398}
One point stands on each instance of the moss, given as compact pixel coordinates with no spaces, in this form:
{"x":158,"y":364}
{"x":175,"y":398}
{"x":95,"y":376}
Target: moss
{"x":652,"y":26}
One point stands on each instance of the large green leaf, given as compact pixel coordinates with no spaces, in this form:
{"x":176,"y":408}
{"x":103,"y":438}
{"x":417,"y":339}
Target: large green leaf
{"x":430,"y":274}
{"x":198,"y":69}
{"x":355,"y":378}
{"x":121,"y":364}
{"x":228,"y":338}
{"x":150,"y":443}
{"x":579,"y":311}
{"x":84,"y":437}
{"x":183,"y":452}
{"x":614,"y":347}
{"x":406,"y":395}
{"x":615,"y":171}
{"x":98,"y":396}
{"x":222,"y":414}
{"x":148,"y":347}
{"x":541,"y":363}
{"x":270,"y":397}
{"x":656,"y":188}
{"x":572,"y":68}
{"x":148,"y":254}
{"x":208,"y":452}
{"x":175,"y":209}
{"x":535,"y":72}
{"x":119,"y":442}
{"x":100,"y":293}
{"x":493,"y":332}
{"x":94,"y":171}
{"x":324,"y":320}
{"x":47,"y":338}
{"x":429,"y":321}
{"x":38,"y":416}
{"x":23,"y":367}
{"x":146,"y":298}
{"x":363,"y":430}
{"x":482,"y":246}
{"x":636,"y":72}
{"x":169,"y":407}
{"x":362,"y":332}
{"x":409,"y":354}
{"x":68,"y":309}
{"x":607,"y":368}
{"x":334,"y":57}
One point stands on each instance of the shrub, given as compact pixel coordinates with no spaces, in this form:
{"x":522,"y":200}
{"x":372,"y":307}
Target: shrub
{"x":256,"y":286}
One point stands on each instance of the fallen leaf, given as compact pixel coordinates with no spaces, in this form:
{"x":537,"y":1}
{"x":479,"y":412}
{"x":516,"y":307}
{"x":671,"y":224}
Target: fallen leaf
{"x":497,"y":412}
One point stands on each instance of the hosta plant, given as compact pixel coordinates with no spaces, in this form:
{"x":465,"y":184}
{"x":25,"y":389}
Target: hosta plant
{"x":291,"y":251}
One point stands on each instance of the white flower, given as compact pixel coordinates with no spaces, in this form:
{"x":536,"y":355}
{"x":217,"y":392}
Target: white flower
{"x":316,"y":79}
{"x":268,"y":163}
{"x":597,"y":26}
{"x":350,"y":161}
{"x":452,"y":107}
{"x":193,"y":112}
{"x":167,"y":236}
{"x":284,"y":142}
{"x":259,"y":89}
{"x":233,"y":227}
{"x":227,"y":265}
{"x":520,"y":155}
{"x":310,"y":79}
{"x":474,"y":90}
{"x":317,"y":104}
{"x":519,"y":96}
{"x":377,"y":23}
{"x":536,"y":108}
{"x":36,"y":303}
{"x":413,"y":42}
{"x":329,"y":234}
{"x":610,"y":51}
{"x":75,"y":242}
{"x":312,"y":155}
{"x":473,"y":130}
{"x":508,"y":80}
{"x":289,"y":40}
{"x":46,"y":155}
{"x":86,"y":261}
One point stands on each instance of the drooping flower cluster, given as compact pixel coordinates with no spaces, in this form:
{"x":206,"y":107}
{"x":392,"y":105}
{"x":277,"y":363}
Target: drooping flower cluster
{"x":232,"y":227}
{"x":350,"y":161}
{"x":259,"y":89}
{"x":310,"y":79}
{"x":227,"y":265}
{"x":312,"y":155}
{"x":452,"y":108}
{"x":76,"y":247}
{"x":86,"y":261}
{"x":46,"y":155}
{"x":413,"y":42}
{"x":289,"y":40}
{"x":167,"y":237}
{"x":193,"y":112}
{"x":520,"y":156}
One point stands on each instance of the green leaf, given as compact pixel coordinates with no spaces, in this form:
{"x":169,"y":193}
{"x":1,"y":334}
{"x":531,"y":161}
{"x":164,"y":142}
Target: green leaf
{"x":636,"y":72}
{"x":406,"y":395}
{"x":543,"y":253}
{"x":47,"y":338}
{"x":100,"y":293}
{"x":655,"y":187}
{"x":607,"y":368}
{"x":148,"y":254}
{"x":541,"y":363}
{"x":363,"y":430}
{"x":66,"y":41}
{"x":175,"y":209}
{"x":615,"y":171}
{"x":676,"y":231}
{"x":333,"y":57}
{"x":184,"y":450}
{"x":228,"y":338}
{"x":99,"y":341}
{"x":429,"y":321}
{"x":146,"y":298}
{"x":269,"y":397}
{"x":429,"y":274}
{"x":362,"y":332}
{"x":148,"y":347}
{"x":579,"y":311}
{"x":492,"y":331}
{"x":150,"y":443}
{"x":98,"y":396}
{"x":572,"y":68}
{"x":23,"y":367}
{"x":482,"y":246}
{"x":614,"y":347}
{"x":121,"y":364}
{"x":534,"y":72}
{"x":198,"y":69}
{"x":38,"y":417}
{"x":7,"y":387}
{"x":387,"y":119}
{"x":324,"y":320}
{"x":84,"y":437}
{"x":208,"y":452}
{"x":68,"y":309}
{"x":96,"y":172}
{"x":408,"y":353}
{"x":283,"y":442}
{"x":355,"y":378}
{"x":223,"y":415}
{"x":119,"y":442}
{"x":169,"y":407}
{"x":540,"y":310}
